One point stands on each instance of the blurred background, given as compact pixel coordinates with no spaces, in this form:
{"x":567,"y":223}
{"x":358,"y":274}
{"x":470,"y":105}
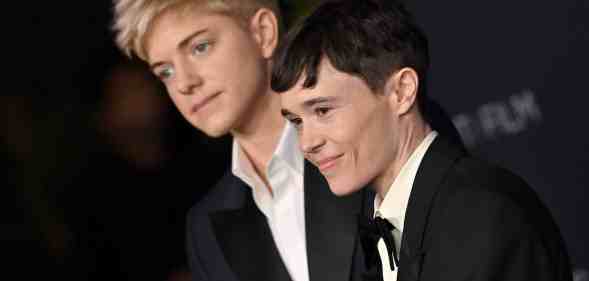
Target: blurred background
{"x":100,"y":169}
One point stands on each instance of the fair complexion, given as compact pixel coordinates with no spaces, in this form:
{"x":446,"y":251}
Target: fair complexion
{"x":216,"y":70}
{"x":354,"y":136}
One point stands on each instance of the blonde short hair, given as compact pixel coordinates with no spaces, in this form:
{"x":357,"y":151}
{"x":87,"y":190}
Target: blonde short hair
{"x":133,"y":18}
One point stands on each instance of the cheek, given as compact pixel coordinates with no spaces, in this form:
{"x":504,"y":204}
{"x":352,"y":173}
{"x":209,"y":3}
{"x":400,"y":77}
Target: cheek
{"x":360,"y":142}
{"x":370,"y":148}
{"x":358,"y":154}
{"x":245,"y":82}
{"x":242,"y":67}
{"x":364,"y":169}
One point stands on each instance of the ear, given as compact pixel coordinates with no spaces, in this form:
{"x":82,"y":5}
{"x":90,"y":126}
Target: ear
{"x":264,"y":28}
{"x":401,"y":89}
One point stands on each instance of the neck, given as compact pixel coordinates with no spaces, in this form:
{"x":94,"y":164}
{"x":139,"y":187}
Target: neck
{"x":411,"y":136}
{"x":260,"y":131}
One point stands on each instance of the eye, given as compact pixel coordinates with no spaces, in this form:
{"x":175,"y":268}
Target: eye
{"x":321,"y":111}
{"x":201,"y":48}
{"x":164,"y":73}
{"x":296,"y":122}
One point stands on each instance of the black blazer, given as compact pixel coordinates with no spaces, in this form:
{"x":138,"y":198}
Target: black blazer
{"x":228,"y":238}
{"x":467,"y":220}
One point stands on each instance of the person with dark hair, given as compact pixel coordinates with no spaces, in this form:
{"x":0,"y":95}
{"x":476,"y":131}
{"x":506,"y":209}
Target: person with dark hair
{"x":352,"y":80}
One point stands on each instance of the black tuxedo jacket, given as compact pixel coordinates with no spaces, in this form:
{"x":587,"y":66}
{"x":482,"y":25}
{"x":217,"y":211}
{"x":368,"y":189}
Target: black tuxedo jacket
{"x":228,"y":238}
{"x":467,"y":220}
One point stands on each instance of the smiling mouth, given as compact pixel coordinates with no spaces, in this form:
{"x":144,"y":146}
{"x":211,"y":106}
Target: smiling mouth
{"x":199,"y":105}
{"x":328,"y":163}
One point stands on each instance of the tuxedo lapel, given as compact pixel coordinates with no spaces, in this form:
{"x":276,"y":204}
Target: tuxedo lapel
{"x":439,"y":158}
{"x":331,"y":227}
{"x":245,"y":238}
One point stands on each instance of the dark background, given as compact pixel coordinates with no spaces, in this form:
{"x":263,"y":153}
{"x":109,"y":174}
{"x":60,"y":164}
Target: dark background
{"x":514,"y":76}
{"x":82,"y":204}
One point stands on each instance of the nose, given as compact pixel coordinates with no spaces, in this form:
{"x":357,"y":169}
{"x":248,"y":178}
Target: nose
{"x":311,"y":141}
{"x":187,"y":79}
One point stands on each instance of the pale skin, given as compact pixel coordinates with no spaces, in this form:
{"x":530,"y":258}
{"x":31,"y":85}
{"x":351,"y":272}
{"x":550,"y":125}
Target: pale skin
{"x":216,"y":70}
{"x":354,"y":136}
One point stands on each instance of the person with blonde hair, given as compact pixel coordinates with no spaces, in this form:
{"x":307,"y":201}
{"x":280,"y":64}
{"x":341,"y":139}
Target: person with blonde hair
{"x":272,"y":216}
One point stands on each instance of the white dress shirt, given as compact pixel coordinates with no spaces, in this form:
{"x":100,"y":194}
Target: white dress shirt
{"x":284,"y":207}
{"x":394,"y":204}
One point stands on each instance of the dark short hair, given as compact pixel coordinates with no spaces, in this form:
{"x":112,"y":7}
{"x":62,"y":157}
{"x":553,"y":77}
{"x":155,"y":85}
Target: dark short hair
{"x":370,"y":39}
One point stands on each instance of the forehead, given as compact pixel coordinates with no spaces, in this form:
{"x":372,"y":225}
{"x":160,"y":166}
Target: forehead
{"x":330,"y":83}
{"x":176,"y":23}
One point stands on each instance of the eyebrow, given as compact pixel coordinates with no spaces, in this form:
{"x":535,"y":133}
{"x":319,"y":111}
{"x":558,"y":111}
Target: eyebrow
{"x":311,"y":102}
{"x":181,"y":45}
{"x":308,"y":104}
{"x":285,"y":113}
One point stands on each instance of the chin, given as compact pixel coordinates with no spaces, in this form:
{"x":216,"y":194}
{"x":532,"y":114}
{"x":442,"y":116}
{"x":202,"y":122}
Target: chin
{"x":214,"y":131}
{"x":342,"y":189}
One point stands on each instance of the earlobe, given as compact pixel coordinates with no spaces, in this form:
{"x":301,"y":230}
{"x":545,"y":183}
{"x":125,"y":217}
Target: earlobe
{"x":264,"y":28}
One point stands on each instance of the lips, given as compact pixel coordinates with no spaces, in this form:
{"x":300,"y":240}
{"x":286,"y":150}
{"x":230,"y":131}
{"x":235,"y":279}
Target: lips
{"x":326,"y":164}
{"x":203,"y":102}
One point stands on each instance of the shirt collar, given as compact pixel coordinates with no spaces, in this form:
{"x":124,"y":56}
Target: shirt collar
{"x":287,"y":152}
{"x":238,"y":162}
{"x":394,"y":204}
{"x":288,"y":148}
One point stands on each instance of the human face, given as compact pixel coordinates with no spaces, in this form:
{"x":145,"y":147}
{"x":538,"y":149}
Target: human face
{"x":211,"y":64}
{"x":344,"y":128}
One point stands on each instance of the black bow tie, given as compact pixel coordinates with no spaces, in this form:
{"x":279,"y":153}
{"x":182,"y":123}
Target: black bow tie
{"x":371,"y":230}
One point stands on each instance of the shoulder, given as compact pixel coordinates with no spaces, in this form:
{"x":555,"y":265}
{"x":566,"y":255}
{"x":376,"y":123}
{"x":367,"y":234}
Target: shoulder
{"x":216,"y":198}
{"x":485,"y":211}
{"x":474,"y":188}
{"x":473,"y":171}
{"x":490,"y":210}
{"x":479,"y":179}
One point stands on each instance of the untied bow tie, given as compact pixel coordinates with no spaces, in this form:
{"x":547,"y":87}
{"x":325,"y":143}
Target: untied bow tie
{"x":371,"y":230}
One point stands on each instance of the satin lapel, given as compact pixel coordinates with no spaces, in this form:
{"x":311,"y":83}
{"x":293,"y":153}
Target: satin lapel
{"x":331,"y":226}
{"x":439,"y":158}
{"x":246,"y":240}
